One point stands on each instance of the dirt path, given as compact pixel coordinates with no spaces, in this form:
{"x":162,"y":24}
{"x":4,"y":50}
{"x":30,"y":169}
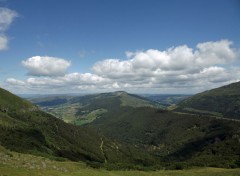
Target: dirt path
{"x":101,"y":148}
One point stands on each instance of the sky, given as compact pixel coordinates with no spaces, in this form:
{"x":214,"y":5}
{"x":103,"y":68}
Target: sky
{"x":138,"y":46}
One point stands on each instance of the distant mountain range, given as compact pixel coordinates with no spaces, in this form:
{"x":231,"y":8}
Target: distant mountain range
{"x":166,"y":100}
{"x":120,"y":130}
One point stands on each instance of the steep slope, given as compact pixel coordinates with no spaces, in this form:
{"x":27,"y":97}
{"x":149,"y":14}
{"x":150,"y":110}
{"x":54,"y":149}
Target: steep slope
{"x":195,"y":140}
{"x":149,"y":137}
{"x":25,"y":128}
{"x":223,"y":101}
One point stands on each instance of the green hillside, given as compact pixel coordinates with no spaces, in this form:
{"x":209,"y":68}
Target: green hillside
{"x":125,"y":132}
{"x":17,"y":164}
{"x":24,"y":128}
{"x":173,"y":137}
{"x":223,"y":101}
{"x":12,"y":103}
{"x":166,"y":138}
{"x":85,"y":109}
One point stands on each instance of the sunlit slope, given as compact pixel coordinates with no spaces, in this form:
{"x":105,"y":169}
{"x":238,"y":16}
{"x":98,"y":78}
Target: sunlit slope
{"x":85,"y":109}
{"x":223,"y":101}
{"x":17,"y":164}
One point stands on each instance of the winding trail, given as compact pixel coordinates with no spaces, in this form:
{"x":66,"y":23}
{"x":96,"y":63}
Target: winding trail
{"x":101,"y":148}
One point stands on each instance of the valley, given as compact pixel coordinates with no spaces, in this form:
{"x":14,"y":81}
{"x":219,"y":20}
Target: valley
{"x":117,"y":131}
{"x":119,"y":88}
{"x":145,"y":124}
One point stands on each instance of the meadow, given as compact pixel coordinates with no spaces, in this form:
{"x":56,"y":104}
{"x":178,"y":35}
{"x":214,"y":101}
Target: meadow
{"x":18,"y":164}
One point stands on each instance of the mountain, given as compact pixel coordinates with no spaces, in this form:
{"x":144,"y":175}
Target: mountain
{"x":25,"y":128}
{"x":173,"y":137}
{"x":127,"y":131}
{"x":85,"y":109}
{"x":223,"y":102}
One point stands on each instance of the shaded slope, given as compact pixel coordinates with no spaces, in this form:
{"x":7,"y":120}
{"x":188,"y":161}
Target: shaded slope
{"x":24,"y":128}
{"x":173,"y":137}
{"x":223,"y":101}
{"x":150,"y":137}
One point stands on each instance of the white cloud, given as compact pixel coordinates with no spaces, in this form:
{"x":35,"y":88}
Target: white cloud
{"x":210,"y":53}
{"x":173,"y":60}
{"x":3,"y":42}
{"x":113,"y":68}
{"x":85,"y":78}
{"x":178,"y":69}
{"x":6,"y":18}
{"x":177,"y":66}
{"x":13,"y":81}
{"x":69,"y":82}
{"x":46,"y":66}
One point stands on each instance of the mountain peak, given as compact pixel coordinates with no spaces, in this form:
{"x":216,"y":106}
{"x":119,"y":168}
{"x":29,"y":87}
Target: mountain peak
{"x":120,"y":93}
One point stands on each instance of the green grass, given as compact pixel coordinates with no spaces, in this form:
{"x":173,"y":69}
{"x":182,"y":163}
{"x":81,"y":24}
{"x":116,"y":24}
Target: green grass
{"x":16,"y":164}
{"x":89,"y":117}
{"x":10,"y":171}
{"x":134,"y":101}
{"x":66,"y":111}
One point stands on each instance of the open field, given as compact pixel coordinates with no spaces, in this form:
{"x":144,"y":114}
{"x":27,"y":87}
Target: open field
{"x":16,"y":164}
{"x":76,"y":169}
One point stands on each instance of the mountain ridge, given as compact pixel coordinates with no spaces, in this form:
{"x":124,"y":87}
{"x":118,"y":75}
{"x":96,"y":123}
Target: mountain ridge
{"x":39,"y":133}
{"x":121,"y":136}
{"x":223,"y":101}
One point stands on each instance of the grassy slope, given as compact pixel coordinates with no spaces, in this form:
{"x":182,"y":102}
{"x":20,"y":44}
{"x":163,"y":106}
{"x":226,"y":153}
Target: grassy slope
{"x":223,"y":101}
{"x":166,"y":136}
{"x":13,"y":163}
{"x":24,"y":128}
{"x":134,"y":100}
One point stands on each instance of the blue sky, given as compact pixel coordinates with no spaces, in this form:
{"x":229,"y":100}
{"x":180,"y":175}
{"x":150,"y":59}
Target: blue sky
{"x":142,"y":46}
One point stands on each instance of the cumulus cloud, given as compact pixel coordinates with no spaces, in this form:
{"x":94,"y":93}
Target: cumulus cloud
{"x":176,"y":66}
{"x":172,"y":60}
{"x":179,"y":69}
{"x":70,"y":82}
{"x":6,"y":18}
{"x":13,"y":81}
{"x":210,"y":53}
{"x":46,"y":66}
